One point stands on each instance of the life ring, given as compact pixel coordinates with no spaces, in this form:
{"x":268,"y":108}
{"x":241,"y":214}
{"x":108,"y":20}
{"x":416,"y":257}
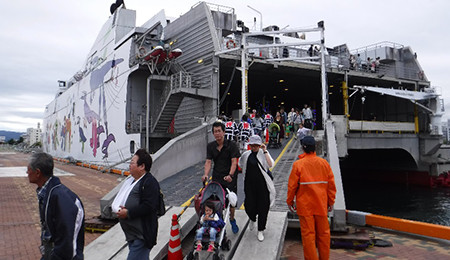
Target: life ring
{"x":230,"y":44}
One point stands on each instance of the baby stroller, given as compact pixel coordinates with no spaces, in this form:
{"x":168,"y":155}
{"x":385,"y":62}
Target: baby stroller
{"x":215,"y":193}
{"x":274,"y":136}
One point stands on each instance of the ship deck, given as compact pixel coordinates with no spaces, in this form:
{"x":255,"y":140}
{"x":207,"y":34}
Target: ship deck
{"x":19,"y":225}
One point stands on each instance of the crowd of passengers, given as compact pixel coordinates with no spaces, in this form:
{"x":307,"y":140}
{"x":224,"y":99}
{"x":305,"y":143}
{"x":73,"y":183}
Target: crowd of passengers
{"x":369,"y":65}
{"x":298,"y":122}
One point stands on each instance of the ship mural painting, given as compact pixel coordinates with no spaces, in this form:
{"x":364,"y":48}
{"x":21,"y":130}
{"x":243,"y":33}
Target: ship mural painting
{"x":98,"y":115}
{"x":89,"y":120}
{"x":95,"y":99}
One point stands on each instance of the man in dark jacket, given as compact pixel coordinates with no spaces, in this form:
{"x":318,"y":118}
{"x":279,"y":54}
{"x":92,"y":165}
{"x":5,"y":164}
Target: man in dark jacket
{"x":138,"y":212}
{"x":60,"y":210}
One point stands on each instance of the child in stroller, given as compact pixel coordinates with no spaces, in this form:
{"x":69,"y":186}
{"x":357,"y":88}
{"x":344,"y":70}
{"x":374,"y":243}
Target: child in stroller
{"x":212,"y":223}
{"x":274,"y":136}
{"x":212,"y":196}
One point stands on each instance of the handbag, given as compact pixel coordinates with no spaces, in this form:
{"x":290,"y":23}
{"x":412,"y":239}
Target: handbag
{"x":268,"y":170}
{"x":161,"y":210}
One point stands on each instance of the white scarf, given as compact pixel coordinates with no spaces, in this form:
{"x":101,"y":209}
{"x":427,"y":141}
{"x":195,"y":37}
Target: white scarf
{"x":124,"y":192}
{"x":262,"y":159}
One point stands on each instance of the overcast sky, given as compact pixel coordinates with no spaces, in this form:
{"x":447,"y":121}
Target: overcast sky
{"x":46,"y":41}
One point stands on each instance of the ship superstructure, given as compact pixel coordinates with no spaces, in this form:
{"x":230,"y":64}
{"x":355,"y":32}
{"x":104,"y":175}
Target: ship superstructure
{"x":144,"y":86}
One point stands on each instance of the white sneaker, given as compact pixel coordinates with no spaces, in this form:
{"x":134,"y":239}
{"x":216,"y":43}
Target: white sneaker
{"x":260,"y":236}
{"x":252,"y":225}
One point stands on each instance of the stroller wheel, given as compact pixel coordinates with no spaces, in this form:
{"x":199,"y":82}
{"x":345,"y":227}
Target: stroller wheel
{"x":190,"y":256}
{"x":196,"y":256}
{"x":216,"y":256}
{"x":227,"y":245}
{"x":224,"y":244}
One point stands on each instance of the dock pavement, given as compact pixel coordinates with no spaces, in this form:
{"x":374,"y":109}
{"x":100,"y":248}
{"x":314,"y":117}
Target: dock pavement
{"x":19,"y":217}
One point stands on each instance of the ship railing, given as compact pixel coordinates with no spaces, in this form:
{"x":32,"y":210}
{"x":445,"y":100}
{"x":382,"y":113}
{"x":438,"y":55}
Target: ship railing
{"x":381,"y":126}
{"x":179,"y":81}
{"x":376,"y":46}
{"x":294,"y":53}
{"x":387,"y":70}
{"x":165,"y":95}
{"x":333,"y":60}
{"x":190,"y":80}
{"x":217,"y":8}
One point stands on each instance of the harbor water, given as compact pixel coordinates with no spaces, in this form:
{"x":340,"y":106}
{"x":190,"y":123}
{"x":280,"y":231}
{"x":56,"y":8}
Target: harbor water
{"x":426,"y":204}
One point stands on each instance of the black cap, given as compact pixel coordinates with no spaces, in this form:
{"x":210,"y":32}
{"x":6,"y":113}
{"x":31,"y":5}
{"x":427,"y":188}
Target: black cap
{"x":308,"y":141}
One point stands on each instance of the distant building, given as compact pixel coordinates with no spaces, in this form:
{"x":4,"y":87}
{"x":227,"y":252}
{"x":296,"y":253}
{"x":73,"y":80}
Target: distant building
{"x":446,"y":131}
{"x":34,"y":135}
{"x":2,"y":139}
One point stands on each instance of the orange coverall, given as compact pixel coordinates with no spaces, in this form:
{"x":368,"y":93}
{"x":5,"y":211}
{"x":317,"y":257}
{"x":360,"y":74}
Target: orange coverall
{"x":311,"y":182}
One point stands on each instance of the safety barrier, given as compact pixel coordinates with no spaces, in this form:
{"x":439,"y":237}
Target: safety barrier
{"x":403,"y":225}
{"x":95,"y":167}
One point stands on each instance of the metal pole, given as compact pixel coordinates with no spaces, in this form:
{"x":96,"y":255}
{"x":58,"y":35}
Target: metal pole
{"x":325,"y":112}
{"x":244,"y":90}
{"x":260,"y":14}
{"x":147,"y":119}
{"x":345,"y":94}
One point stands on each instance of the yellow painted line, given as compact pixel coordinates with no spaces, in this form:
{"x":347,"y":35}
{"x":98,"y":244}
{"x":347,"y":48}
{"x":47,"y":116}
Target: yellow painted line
{"x":189,"y":201}
{"x":276,"y":161}
{"x":282,"y":152}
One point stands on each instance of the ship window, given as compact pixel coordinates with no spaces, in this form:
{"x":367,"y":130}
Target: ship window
{"x":132,"y":147}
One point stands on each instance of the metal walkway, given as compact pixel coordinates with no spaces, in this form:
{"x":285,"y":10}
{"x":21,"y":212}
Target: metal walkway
{"x":281,"y":173}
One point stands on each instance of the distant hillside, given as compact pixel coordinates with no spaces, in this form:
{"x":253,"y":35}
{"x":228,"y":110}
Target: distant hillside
{"x":10,"y":135}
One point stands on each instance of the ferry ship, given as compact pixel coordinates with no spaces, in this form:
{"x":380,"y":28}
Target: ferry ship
{"x":161,"y":84}
{"x":141,"y":86}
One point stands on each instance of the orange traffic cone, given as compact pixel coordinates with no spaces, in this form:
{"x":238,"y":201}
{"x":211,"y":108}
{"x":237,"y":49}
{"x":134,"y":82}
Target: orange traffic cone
{"x":175,"y":252}
{"x":267,"y":135}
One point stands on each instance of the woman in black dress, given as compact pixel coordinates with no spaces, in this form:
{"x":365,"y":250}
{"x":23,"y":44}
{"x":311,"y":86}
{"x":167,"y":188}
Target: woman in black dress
{"x":258,"y":185}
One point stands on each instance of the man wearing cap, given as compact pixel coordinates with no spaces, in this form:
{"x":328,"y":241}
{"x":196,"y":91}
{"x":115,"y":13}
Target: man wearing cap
{"x":224,"y":153}
{"x":311,"y":192}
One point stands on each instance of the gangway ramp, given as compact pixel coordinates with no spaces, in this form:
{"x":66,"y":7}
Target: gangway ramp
{"x":326,"y":147}
{"x":339,"y":213}
{"x":245,"y":244}
{"x":281,"y":172}
{"x":271,"y":247}
{"x":112,"y":245}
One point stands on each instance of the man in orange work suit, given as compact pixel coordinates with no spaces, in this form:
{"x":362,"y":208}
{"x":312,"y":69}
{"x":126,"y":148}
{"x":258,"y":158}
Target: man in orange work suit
{"x":312,"y":184}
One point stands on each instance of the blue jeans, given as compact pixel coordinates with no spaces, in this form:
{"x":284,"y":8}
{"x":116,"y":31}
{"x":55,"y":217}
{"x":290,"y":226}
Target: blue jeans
{"x":212,"y":234}
{"x":138,"y":250}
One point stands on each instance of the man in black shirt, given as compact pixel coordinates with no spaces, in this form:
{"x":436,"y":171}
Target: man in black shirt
{"x":224,"y":153}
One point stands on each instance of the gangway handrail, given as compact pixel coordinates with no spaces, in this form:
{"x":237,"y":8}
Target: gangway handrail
{"x":339,"y":213}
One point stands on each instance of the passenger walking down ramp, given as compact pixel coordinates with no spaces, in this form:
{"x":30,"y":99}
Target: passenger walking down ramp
{"x":271,"y":247}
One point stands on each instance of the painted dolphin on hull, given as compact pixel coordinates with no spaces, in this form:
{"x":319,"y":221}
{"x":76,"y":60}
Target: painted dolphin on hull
{"x":98,"y":75}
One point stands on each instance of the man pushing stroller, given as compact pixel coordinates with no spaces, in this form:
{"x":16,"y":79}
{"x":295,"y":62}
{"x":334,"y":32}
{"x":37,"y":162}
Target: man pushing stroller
{"x":224,"y":153}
